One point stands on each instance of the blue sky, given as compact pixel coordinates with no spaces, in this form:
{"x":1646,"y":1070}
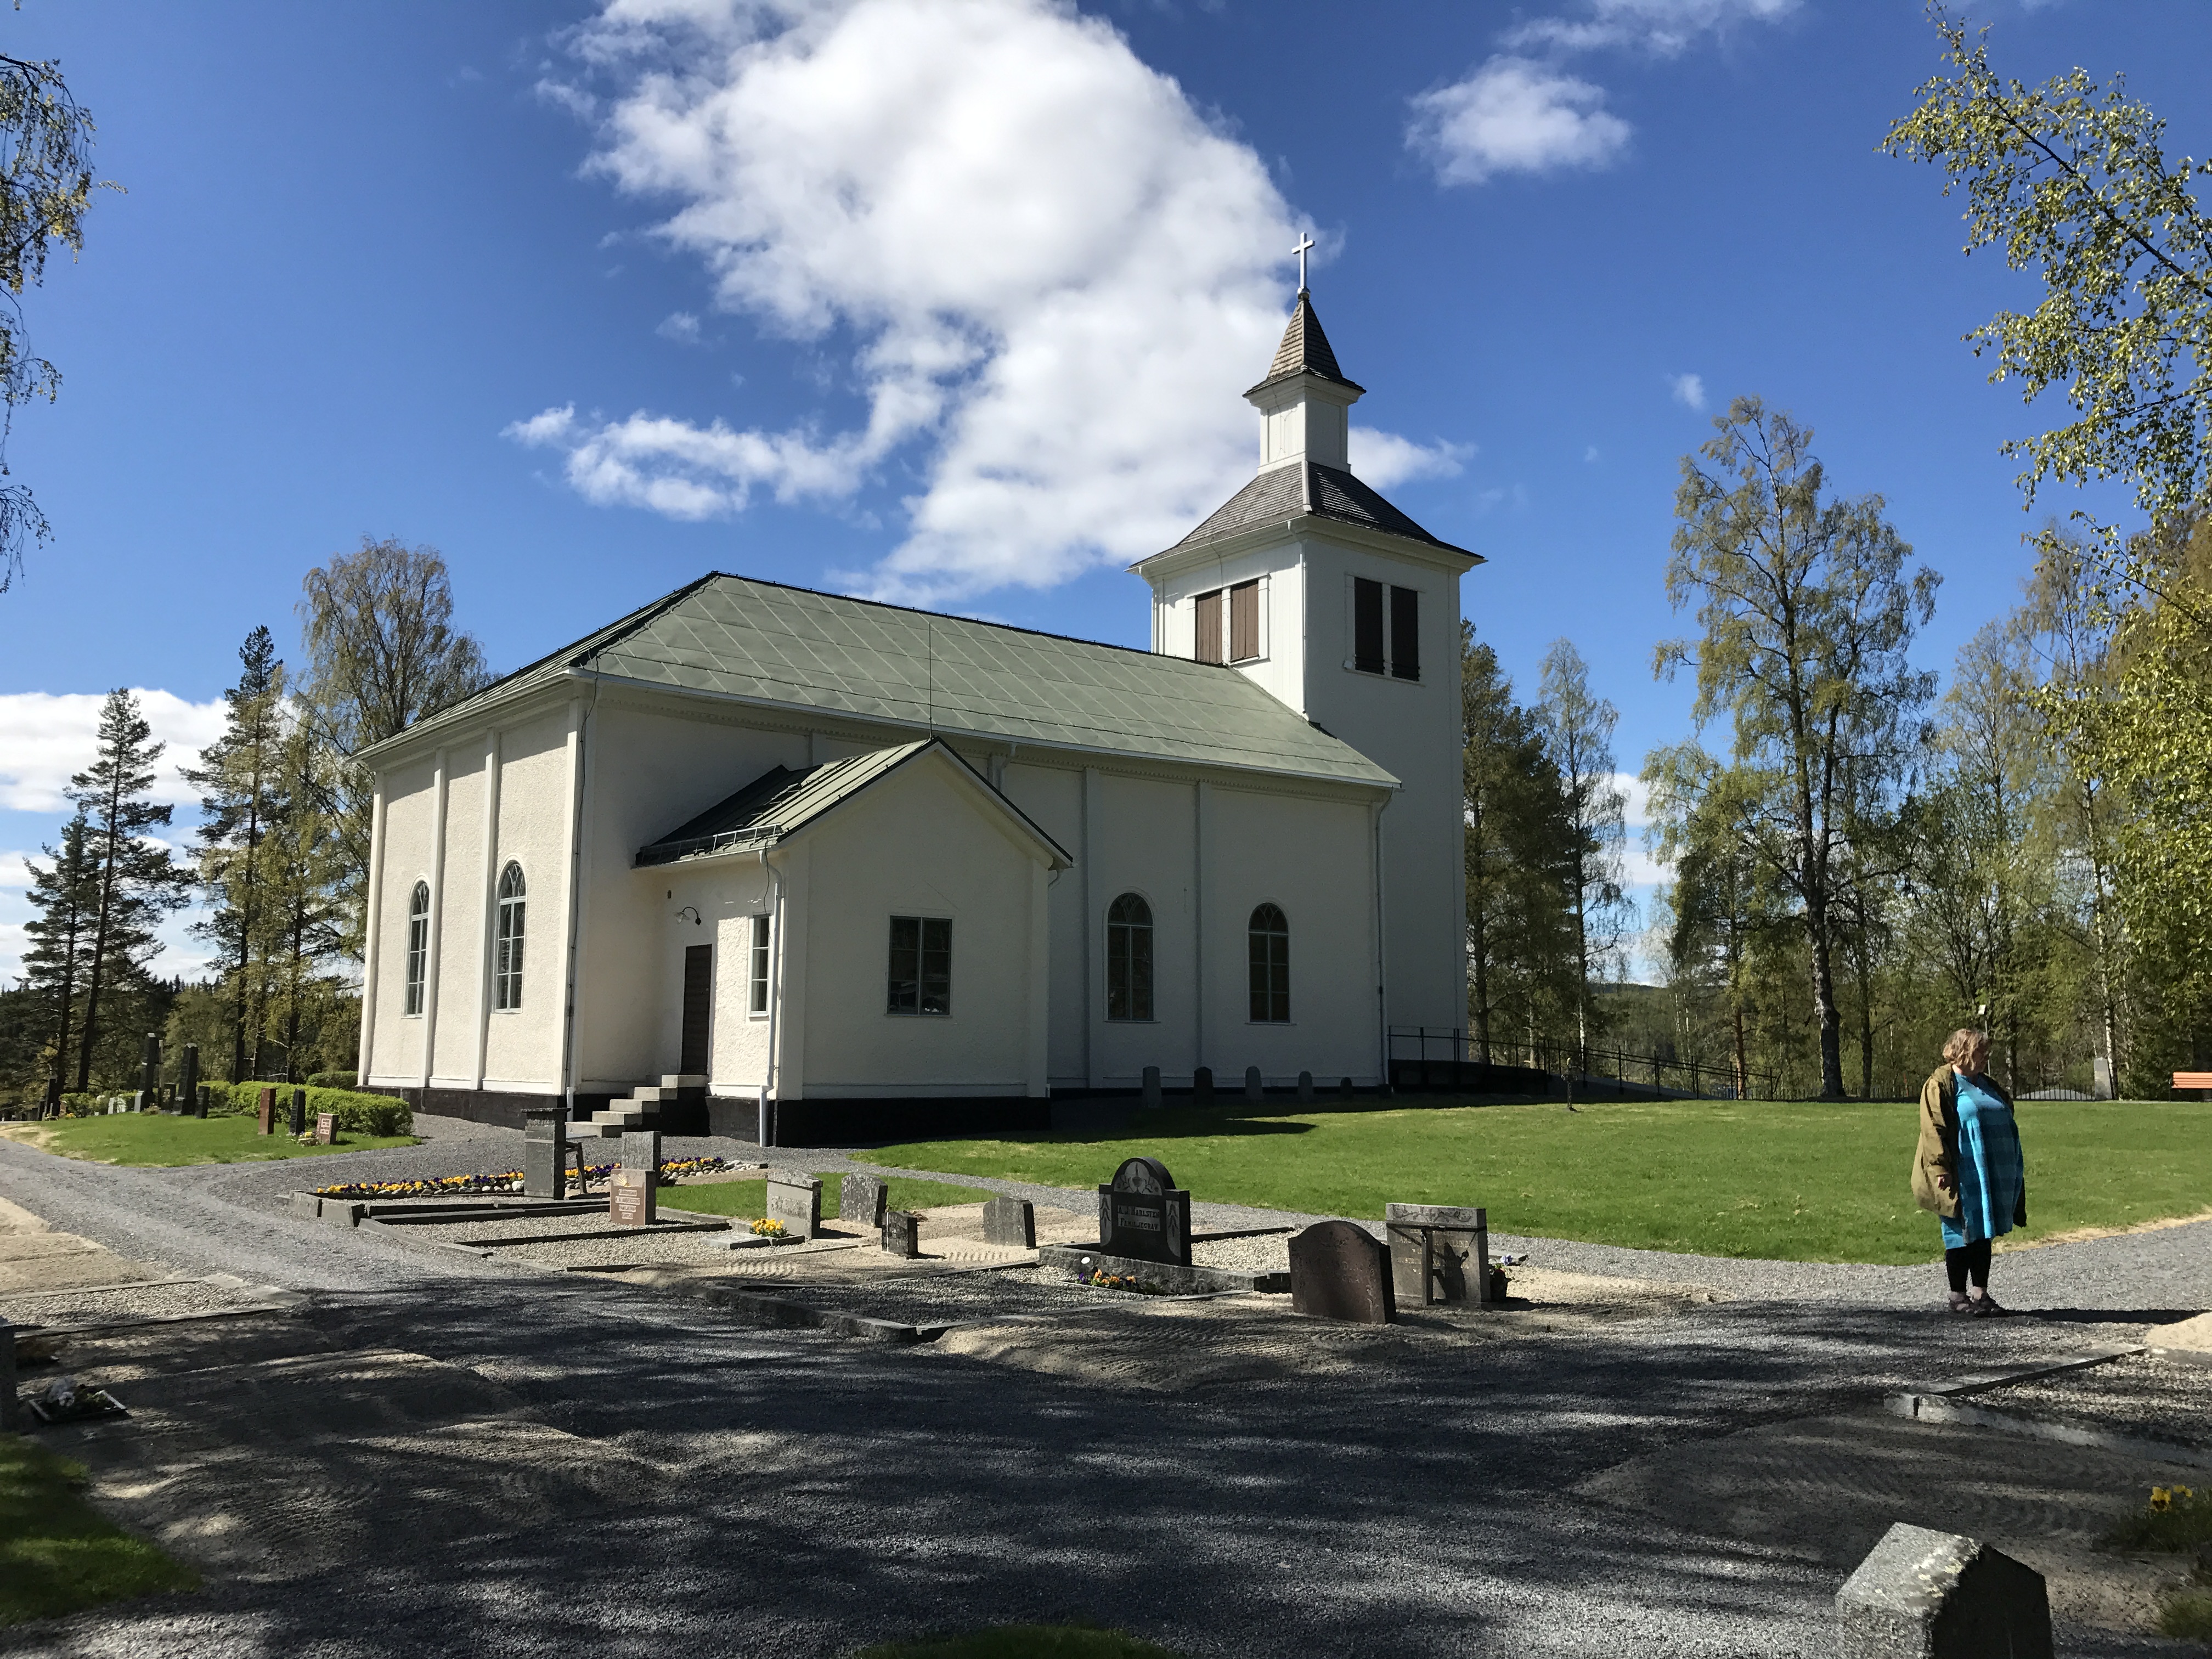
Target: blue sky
{"x":952,"y":301}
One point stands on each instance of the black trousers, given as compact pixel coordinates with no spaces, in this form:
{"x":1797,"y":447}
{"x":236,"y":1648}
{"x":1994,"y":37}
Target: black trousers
{"x":1974,"y":1259}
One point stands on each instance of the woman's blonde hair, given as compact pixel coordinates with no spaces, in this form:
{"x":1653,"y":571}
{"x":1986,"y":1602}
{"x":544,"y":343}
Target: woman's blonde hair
{"x":1962,"y":1042}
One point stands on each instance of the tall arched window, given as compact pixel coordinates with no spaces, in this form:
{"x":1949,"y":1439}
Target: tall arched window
{"x":506,"y":955}
{"x":1129,"y":959}
{"x":418,"y":944}
{"x":1271,"y":966}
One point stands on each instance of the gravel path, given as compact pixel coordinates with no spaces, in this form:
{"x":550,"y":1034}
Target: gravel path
{"x":816,"y":1494}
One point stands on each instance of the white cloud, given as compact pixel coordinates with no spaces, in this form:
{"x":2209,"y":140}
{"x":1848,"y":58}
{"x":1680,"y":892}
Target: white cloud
{"x":45,"y":738}
{"x":1689,"y":390}
{"x":1662,"y":27}
{"x":1515,"y":115}
{"x":1589,"y":454}
{"x":1384,"y":459}
{"x":680,"y":326}
{"x":1056,"y":274}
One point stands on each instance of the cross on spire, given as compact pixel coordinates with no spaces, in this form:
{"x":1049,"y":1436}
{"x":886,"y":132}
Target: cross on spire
{"x":1304,"y":242}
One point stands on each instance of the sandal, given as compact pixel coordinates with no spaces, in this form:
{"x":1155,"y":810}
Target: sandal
{"x":1960,"y":1303}
{"x":1988,"y":1307}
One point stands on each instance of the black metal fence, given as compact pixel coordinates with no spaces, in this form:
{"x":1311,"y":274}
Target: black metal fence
{"x":1436,"y":1055}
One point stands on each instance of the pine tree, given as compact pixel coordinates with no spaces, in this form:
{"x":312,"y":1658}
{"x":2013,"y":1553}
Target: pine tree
{"x":1520,"y":953}
{"x":58,"y":966}
{"x":240,"y":779}
{"x":136,"y":882}
{"x":1577,"y":731}
{"x":303,"y":915}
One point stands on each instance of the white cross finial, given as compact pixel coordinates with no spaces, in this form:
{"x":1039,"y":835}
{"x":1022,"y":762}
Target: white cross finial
{"x":1304,"y":242}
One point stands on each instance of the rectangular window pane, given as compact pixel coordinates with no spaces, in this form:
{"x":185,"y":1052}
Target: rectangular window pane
{"x":1209,"y":627}
{"x":758,"y":1000}
{"x":906,"y":965}
{"x":1367,"y":626}
{"x":1405,"y":634}
{"x":1117,"y":972}
{"x":418,"y":934}
{"x":1140,"y":973}
{"x":937,"y":965}
{"x":1244,"y":621}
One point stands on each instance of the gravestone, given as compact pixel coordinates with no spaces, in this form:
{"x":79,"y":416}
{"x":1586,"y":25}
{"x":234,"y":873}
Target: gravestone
{"x":1438,"y":1252}
{"x":206,"y":1099}
{"x":630,"y":1199}
{"x":267,"y":1119}
{"x":1151,"y":1087}
{"x":1010,"y":1221}
{"x":11,"y":1412}
{"x":545,"y":1150}
{"x":1254,"y":1089}
{"x":326,"y":1128}
{"x":1201,"y":1086}
{"x":1344,"y":1088}
{"x":299,"y":1112}
{"x":901,"y":1234}
{"x":1938,"y":1596}
{"x":863,"y":1198}
{"x":1340,"y":1271}
{"x":188,"y":1082}
{"x":641,"y":1166}
{"x":796,"y":1201}
{"x":1143,"y":1213}
{"x":150,"y":1080}
{"x":1305,"y":1086}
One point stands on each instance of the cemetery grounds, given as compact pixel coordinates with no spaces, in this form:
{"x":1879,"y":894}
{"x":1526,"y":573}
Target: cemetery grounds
{"x":1720,"y":1376}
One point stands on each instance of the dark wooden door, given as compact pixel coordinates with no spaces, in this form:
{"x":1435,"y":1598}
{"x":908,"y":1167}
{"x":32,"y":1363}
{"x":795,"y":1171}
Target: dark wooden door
{"x":698,"y":1007}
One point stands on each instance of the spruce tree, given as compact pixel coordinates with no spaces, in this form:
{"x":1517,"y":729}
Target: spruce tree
{"x":57,"y":966}
{"x":135,"y":882}
{"x":239,"y":779}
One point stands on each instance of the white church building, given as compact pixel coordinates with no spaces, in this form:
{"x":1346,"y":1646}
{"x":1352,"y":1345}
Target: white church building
{"x":859,"y":870}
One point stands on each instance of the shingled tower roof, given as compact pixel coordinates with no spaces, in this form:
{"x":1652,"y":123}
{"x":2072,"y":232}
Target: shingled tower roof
{"x":1304,"y":350}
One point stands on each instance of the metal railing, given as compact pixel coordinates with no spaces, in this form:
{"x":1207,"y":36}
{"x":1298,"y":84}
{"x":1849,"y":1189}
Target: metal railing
{"x":1587,"y":1066}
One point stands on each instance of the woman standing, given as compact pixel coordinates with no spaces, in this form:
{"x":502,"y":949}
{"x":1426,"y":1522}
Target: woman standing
{"x":1967,"y":1168}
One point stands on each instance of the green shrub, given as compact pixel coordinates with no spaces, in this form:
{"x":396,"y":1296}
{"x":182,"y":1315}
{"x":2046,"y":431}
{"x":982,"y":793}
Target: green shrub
{"x":2187,"y":1615}
{"x":346,"y":1080}
{"x":2176,"y":1518}
{"x":364,"y":1115}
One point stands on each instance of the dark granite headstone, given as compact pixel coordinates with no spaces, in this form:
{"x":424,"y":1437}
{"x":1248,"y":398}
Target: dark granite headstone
{"x":299,"y":1113}
{"x":10,"y":1412}
{"x":864,"y":1199}
{"x":1305,"y":1086}
{"x":150,"y":1082}
{"x":326,"y":1128}
{"x":1438,"y":1252}
{"x":1344,"y":1088}
{"x":267,"y":1121}
{"x":1341,"y":1271}
{"x":1142,"y":1213}
{"x":1254,"y":1089}
{"x":1151,"y":1086}
{"x":188,"y":1082}
{"x":544,"y":1150}
{"x":901,"y":1234}
{"x":1010,"y":1221}
{"x":1201,"y":1086}
{"x":796,"y":1201}
{"x":1922,"y":1595}
{"x":206,"y":1099}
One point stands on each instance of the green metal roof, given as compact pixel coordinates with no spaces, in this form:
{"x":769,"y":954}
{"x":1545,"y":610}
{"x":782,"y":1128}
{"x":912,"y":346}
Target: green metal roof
{"x":793,"y":648}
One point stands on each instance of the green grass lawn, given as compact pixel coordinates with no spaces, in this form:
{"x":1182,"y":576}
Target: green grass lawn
{"x":1790,"y":1182}
{"x":59,"y":1554}
{"x":1024,"y":1642}
{"x":748,"y":1199}
{"x":148,"y":1138}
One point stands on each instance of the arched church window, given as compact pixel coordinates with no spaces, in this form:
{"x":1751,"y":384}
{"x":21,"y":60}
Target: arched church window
{"x":506,"y":955}
{"x":1271,"y":966}
{"x":418,"y":944}
{"x":1129,"y":959}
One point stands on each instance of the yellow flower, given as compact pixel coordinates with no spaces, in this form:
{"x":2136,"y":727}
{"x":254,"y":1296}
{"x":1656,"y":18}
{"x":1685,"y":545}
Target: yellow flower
{"x":2161,"y":1499}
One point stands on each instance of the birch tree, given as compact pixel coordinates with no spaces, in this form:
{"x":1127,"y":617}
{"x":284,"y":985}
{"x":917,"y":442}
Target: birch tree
{"x":1577,"y":731}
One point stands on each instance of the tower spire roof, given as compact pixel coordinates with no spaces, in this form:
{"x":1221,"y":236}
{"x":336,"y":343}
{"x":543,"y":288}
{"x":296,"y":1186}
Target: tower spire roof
{"x":1304,"y":350}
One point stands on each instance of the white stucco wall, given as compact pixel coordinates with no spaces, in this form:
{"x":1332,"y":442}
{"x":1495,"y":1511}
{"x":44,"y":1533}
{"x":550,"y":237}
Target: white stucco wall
{"x":395,"y":1050}
{"x":522,"y":1046}
{"x":918,"y":843}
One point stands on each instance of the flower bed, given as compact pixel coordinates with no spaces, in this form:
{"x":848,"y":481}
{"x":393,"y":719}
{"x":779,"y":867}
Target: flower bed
{"x":510,"y":1181}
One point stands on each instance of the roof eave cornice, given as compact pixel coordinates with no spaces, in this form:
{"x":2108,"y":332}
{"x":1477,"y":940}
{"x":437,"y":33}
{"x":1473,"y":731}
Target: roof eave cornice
{"x":1459,"y":560}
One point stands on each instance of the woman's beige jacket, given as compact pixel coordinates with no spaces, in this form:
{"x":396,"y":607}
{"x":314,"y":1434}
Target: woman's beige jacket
{"x":1938,"y":1151}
